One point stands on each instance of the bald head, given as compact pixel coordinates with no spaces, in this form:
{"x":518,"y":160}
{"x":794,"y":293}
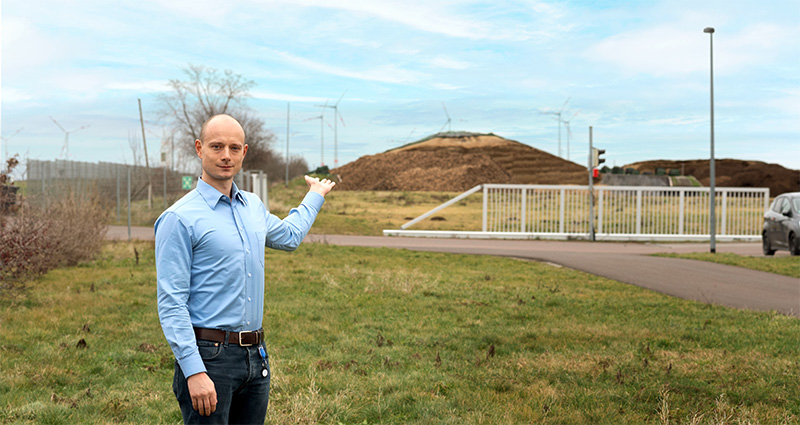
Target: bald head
{"x":220,"y":123}
{"x":221,"y":149}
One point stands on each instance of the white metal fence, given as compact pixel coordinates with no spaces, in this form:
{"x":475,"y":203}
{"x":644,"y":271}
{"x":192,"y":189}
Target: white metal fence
{"x":621,"y":213}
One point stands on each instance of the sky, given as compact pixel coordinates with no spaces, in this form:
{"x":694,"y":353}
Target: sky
{"x":638,"y":72}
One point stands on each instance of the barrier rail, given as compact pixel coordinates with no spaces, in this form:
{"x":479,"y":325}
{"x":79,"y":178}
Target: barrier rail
{"x":621,"y":213}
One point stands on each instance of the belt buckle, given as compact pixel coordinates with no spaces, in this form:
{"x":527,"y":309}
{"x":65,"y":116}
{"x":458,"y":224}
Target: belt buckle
{"x":246,"y":332}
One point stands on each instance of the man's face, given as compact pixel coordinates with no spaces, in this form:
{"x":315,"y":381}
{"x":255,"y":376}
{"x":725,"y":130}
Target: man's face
{"x":223,"y":149}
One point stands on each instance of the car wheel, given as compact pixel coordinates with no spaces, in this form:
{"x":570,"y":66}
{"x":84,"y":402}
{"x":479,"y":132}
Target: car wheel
{"x":766,"y":245}
{"x":794,"y":244}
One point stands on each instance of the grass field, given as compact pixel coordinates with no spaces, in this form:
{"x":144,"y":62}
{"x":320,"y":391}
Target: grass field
{"x":360,"y":335}
{"x":371,"y":212}
{"x":346,"y":212}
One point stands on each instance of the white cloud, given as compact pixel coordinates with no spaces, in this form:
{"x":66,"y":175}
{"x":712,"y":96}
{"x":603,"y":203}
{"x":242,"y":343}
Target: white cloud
{"x":673,"y":121}
{"x":266,"y":95}
{"x":445,"y":86}
{"x":210,"y":11}
{"x":360,"y":43}
{"x":682,"y":48}
{"x":154,"y":86}
{"x":27,"y":49}
{"x":434,"y":17}
{"x":11,"y":95}
{"x":449,"y":63}
{"x":384,"y":73}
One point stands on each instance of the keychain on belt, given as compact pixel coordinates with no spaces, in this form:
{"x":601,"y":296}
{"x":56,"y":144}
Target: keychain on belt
{"x":264,"y":371}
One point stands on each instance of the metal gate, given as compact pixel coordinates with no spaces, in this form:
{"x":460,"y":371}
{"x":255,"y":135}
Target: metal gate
{"x":621,"y":213}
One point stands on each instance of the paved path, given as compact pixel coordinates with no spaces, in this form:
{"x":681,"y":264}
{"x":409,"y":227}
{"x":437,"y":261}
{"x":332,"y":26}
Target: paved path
{"x":630,"y":263}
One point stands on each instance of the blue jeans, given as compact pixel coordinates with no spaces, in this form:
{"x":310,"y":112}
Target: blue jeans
{"x":242,"y":391}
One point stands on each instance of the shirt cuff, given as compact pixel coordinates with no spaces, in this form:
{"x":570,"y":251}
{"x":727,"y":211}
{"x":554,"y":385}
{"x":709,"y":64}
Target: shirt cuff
{"x":192,"y":365}
{"x":314,"y":200}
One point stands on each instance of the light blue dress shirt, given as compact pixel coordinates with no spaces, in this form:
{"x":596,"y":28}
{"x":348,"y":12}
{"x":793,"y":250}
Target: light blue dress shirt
{"x":210,"y":263}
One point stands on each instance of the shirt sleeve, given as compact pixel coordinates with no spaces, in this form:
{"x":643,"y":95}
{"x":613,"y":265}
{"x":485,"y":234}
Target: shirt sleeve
{"x":174,"y":271}
{"x":287,"y":234}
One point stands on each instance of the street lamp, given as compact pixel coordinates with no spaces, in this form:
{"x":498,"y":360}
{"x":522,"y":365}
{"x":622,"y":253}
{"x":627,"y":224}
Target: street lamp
{"x":712,"y":176}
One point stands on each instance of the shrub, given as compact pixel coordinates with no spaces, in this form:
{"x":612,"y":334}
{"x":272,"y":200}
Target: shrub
{"x":36,"y":238}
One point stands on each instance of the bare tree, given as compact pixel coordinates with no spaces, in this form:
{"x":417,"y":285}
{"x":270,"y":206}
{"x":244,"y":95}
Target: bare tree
{"x":206,"y":92}
{"x":136,"y":147}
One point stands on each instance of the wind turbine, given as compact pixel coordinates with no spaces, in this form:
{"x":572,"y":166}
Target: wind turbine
{"x":6,"y":139}
{"x":65,"y":149}
{"x":446,"y":123}
{"x":569,"y":132}
{"x":558,"y":118}
{"x":336,"y":118}
{"x":321,"y":119}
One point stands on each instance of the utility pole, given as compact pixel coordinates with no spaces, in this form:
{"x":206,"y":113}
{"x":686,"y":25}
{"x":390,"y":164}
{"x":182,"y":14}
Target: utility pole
{"x":712,"y":176}
{"x":287,"y":143}
{"x":591,"y":187}
{"x":146,"y":161}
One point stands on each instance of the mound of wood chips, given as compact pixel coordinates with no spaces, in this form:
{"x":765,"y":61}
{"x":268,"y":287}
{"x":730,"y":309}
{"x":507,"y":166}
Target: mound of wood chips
{"x":454,"y":162}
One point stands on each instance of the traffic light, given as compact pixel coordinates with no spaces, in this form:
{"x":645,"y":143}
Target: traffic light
{"x":596,"y":160}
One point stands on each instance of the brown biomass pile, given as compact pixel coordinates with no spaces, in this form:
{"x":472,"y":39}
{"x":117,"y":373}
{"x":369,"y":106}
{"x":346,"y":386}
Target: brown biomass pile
{"x":455,"y":162}
{"x":732,"y":173}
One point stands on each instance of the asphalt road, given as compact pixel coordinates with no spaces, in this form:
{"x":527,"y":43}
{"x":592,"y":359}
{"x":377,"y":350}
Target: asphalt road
{"x":630,"y":263}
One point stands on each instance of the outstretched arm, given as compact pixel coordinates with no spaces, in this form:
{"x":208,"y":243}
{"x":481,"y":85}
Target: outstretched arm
{"x":319,"y":186}
{"x":287,"y":234}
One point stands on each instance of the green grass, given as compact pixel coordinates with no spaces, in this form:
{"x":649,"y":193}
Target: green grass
{"x":364,"y":335}
{"x":788,"y":266}
{"x":141,"y":212}
{"x":370,"y":212}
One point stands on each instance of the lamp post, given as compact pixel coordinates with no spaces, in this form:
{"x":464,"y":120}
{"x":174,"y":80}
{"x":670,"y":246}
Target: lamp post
{"x":712,"y":176}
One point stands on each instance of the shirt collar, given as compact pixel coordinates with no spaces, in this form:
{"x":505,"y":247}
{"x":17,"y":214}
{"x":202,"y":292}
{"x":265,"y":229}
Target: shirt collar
{"x":212,"y":196}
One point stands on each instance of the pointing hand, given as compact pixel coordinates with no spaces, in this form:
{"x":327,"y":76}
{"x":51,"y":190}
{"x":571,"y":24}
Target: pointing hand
{"x":320,"y":186}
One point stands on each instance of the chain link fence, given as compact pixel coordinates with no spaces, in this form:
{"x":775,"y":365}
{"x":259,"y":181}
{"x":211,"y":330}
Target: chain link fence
{"x":111,"y":183}
{"x":133,"y":194}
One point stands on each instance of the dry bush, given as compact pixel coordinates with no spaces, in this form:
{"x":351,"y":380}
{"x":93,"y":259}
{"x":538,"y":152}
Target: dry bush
{"x":35,"y":239}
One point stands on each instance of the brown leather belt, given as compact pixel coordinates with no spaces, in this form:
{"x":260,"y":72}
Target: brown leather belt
{"x":244,"y":338}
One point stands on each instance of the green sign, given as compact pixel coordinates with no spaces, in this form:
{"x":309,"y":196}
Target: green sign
{"x":187,"y":182}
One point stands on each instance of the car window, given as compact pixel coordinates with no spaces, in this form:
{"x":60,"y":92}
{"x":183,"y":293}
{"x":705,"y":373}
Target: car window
{"x":785,"y":206}
{"x":776,"y":205}
{"x":796,"y":202}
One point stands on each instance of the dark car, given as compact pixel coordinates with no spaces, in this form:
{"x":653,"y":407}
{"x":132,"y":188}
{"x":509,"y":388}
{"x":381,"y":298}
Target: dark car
{"x":782,"y":225}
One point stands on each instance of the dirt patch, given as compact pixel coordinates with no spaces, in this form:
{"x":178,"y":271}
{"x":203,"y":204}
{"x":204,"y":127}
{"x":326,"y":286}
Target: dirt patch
{"x":731,"y":173}
{"x":454,"y":162}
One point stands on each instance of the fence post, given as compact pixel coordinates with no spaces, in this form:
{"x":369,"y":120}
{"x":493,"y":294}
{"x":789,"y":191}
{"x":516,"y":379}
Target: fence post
{"x":165,"y":186}
{"x":41,"y":174}
{"x":681,"y":206}
{"x":561,"y":211}
{"x":524,"y":208}
{"x":723,"y":227}
{"x":117,"y":195}
{"x":485,"y":207}
{"x":600,"y":197}
{"x":638,"y":211}
{"x":129,"y":204}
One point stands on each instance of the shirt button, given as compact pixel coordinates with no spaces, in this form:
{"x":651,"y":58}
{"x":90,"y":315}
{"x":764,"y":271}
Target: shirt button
{"x":248,"y":298}
{"x":248,"y":251}
{"x":249,"y":274}
{"x":248,"y":322}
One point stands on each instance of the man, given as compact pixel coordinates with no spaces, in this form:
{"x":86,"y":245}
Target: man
{"x":210,"y":266}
